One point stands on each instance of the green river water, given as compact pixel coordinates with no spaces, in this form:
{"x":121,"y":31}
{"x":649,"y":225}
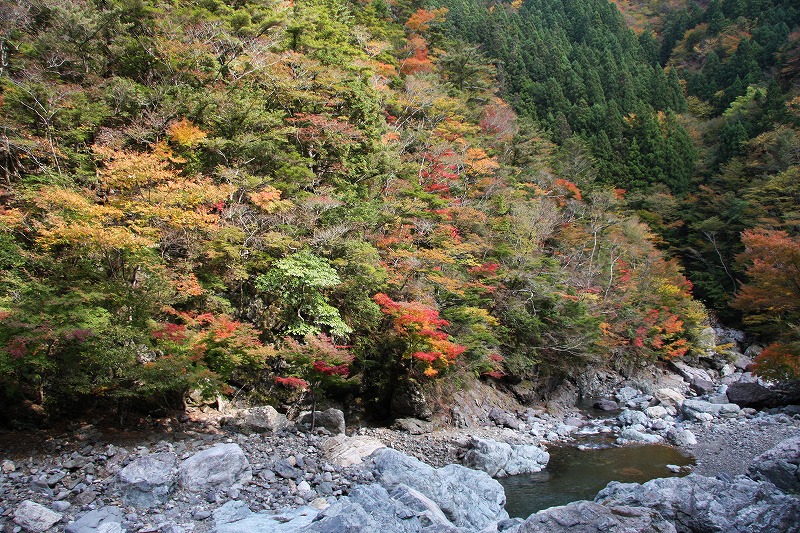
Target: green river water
{"x":575,"y":474}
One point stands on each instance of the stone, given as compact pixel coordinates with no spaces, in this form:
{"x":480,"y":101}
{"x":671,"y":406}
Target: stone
{"x":697,"y":378}
{"x":657,"y":411}
{"x":626,"y":394}
{"x":32,"y":516}
{"x":263,"y":419}
{"x":691,"y":409}
{"x":630,"y":418}
{"x":503,"y":418}
{"x":779,"y":465}
{"x":669,"y":397}
{"x":413,"y":426}
{"x":408,"y":400}
{"x":630,"y":435}
{"x":740,"y":361}
{"x":469,"y":499}
{"x":60,"y":506}
{"x":756,"y":395}
{"x":590,"y":517}
{"x":286,"y":470}
{"x":681,"y":437}
{"x":236,"y":517}
{"x":217,"y":468}
{"x":8,"y":466}
{"x":371,"y":508}
{"x":149,"y":480}
{"x":606,"y":405}
{"x":499,"y":459}
{"x":699,"y":503}
{"x":346,"y":451}
{"x":330,"y":419}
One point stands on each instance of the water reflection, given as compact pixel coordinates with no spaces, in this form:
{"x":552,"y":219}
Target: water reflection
{"x":575,"y":474}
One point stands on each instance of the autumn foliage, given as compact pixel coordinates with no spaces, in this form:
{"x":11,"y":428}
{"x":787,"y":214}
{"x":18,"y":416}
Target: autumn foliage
{"x":427,"y":346}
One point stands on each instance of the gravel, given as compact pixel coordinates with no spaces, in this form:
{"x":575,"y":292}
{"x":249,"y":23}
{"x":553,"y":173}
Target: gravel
{"x":728,"y":446}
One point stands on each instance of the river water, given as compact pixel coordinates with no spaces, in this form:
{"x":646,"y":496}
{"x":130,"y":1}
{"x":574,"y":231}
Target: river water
{"x":579,"y":474}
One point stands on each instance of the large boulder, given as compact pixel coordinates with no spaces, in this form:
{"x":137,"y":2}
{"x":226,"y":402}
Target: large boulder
{"x":626,"y":394}
{"x":148,"y":480}
{"x":468,"y":498}
{"x":779,"y":465}
{"x":629,"y":417}
{"x":630,"y":435}
{"x":370,"y":508}
{"x":702,"y":504}
{"x":414,"y":426}
{"x":262,"y":419}
{"x":215,"y":469}
{"x":692,"y":408}
{"x":681,"y":437}
{"x":504,"y":418}
{"x":32,"y":516}
{"x":752,"y":394}
{"x":367,"y":509}
{"x":499,"y":459}
{"x":236,"y":517}
{"x":408,"y":400}
{"x":669,"y":397}
{"x":330,"y":419}
{"x":590,"y":517}
{"x":346,"y":451}
{"x":606,"y":405}
{"x":697,"y":378}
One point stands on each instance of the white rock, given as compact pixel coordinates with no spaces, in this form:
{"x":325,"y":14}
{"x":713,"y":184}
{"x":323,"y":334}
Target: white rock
{"x":657,"y":411}
{"x":34,"y":517}
{"x":346,"y":451}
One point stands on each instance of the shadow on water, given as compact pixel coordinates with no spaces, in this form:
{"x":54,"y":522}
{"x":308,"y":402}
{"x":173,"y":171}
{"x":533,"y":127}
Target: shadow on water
{"x":575,"y":474}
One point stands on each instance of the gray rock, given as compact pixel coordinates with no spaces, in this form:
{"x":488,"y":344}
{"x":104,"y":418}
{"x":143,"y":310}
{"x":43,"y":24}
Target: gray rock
{"x":657,"y":411}
{"x":740,"y":361}
{"x":60,"y":506}
{"x":149,"y":480}
{"x":285,"y":470}
{"x":371,"y":508}
{"x":330,"y":419}
{"x":503,"y":418}
{"x":468,"y":498}
{"x":262,"y":419}
{"x":606,"y":405}
{"x":236,"y":517}
{"x":681,"y":437}
{"x":698,"y":503}
{"x":691,"y":409}
{"x":697,"y":378}
{"x":499,"y":459}
{"x":630,"y":418}
{"x":779,"y":465}
{"x":590,"y":517}
{"x":625,"y":394}
{"x":718,"y":398}
{"x":629,"y":435}
{"x":413,"y":426}
{"x":217,"y":468}
{"x":34,"y":517}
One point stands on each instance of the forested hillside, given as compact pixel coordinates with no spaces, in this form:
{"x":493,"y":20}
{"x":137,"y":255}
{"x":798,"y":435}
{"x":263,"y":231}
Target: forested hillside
{"x":270,"y":199}
{"x":693,"y":109}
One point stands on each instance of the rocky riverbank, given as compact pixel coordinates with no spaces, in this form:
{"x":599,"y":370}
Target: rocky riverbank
{"x":253,"y":470}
